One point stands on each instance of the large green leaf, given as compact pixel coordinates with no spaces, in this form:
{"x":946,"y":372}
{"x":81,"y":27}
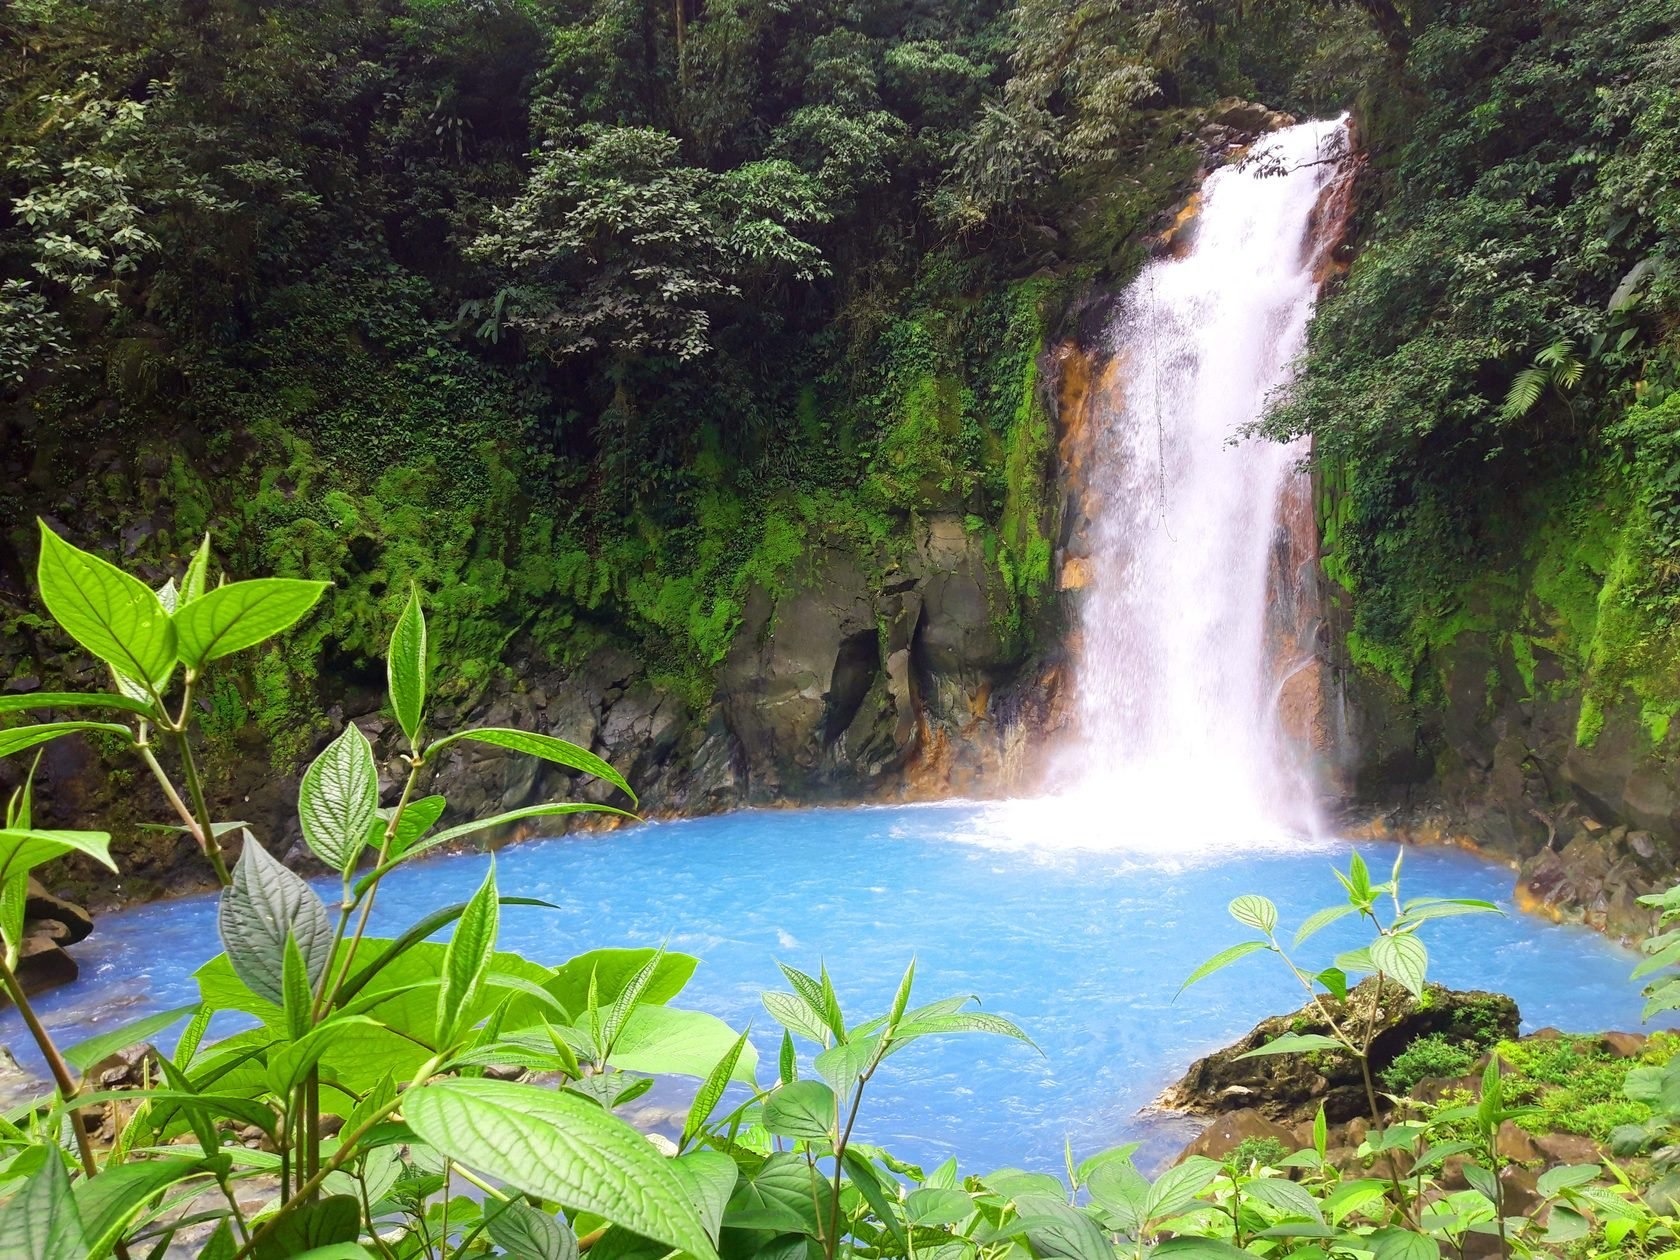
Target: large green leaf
{"x":19,"y":738}
{"x":711,"y":1091}
{"x":197,"y":576}
{"x":113,"y":615}
{"x":42,"y":1221}
{"x":338,"y":798}
{"x":239,"y":615}
{"x":802,"y":1109}
{"x":264,"y":904}
{"x":466,"y":959}
{"x":561,"y":1147}
{"x":1060,"y":1232}
{"x":108,"y":1202}
{"x":1254,"y":911}
{"x":1403,"y":957}
{"x":668,"y":1041}
{"x":784,"y":1195}
{"x":1294,"y":1043}
{"x":84,"y":1054}
{"x":1178,"y":1187}
{"x":710,"y":1178}
{"x":23,"y":851}
{"x":547,"y":747}
{"x":73,"y":700}
{"x":1224,"y":958}
{"x":527,"y":1233}
{"x":405,"y":667}
{"x":612,"y":969}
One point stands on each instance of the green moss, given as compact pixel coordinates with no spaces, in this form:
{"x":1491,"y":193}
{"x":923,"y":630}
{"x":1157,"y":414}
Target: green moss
{"x":1576,"y":1086}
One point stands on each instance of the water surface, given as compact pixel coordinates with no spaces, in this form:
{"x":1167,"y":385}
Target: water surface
{"x":1052,"y":919}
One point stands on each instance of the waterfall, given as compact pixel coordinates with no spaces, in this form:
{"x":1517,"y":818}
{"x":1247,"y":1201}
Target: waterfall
{"x":1191,"y":591}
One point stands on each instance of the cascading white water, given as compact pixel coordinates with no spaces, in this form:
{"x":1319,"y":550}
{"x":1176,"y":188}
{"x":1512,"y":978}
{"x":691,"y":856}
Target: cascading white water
{"x":1176,"y":682}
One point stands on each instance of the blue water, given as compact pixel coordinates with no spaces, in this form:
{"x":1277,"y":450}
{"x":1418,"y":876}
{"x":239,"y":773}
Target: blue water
{"x":1084,"y":948}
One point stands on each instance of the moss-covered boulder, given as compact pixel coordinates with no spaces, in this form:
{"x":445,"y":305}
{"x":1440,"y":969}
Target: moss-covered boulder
{"x":1289,"y":1088}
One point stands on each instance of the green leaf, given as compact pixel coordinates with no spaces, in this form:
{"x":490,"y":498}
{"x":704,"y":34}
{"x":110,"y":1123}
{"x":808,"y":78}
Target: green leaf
{"x":264,"y":904}
{"x":794,"y":1013}
{"x":1566,"y":1177}
{"x":18,"y":738}
{"x":240,"y":615}
{"x":288,"y":1065}
{"x":787,"y":1062}
{"x":417,"y":935}
{"x":316,"y":1229}
{"x":785,"y":1195}
{"x":613,"y":969}
{"x":1404,"y":957}
{"x":562,"y":1147}
{"x":553,"y":810}
{"x":1320,"y":920}
{"x":844,"y":1065}
{"x":1224,"y":958}
{"x":963,"y":1022}
{"x":1395,"y":1243}
{"x":710,"y":1177}
{"x":802,"y":1109}
{"x":108,"y":1202}
{"x":1188,"y":1248}
{"x":1335,"y":980}
{"x":1253,"y":911}
{"x":42,"y":1220}
{"x":113,"y":615}
{"x":1060,"y":1232}
{"x":1286,"y":1197}
{"x":874,"y":1188}
{"x":525,"y":1233}
{"x":711,"y":1091}
{"x":547,"y":747}
{"x":299,"y":998}
{"x":22,"y":851}
{"x":1424,"y":908}
{"x":405,"y":668}
{"x":197,"y":575}
{"x":74,"y":700}
{"x":418,"y":817}
{"x":338,"y":798}
{"x":1295,"y":1043}
{"x":931,"y":1207}
{"x":1179,"y":1186}
{"x":84,"y":1054}
{"x":466,"y":959}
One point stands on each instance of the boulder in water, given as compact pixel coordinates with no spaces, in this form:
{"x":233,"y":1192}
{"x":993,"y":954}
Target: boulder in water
{"x":1289,"y":1088}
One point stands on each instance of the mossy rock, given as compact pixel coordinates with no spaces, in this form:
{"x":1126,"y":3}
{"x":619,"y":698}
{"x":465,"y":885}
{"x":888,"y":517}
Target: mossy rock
{"x":1289,"y":1088}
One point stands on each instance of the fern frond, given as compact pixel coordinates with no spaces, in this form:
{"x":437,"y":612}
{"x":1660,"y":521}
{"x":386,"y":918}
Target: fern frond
{"x":1525,"y":391}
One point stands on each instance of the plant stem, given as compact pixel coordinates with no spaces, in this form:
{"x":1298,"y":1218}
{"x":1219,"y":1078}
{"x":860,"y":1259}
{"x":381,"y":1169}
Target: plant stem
{"x":62,"y":1077}
{"x":195,"y":790}
{"x":345,"y":1153}
{"x":833,"y":1241}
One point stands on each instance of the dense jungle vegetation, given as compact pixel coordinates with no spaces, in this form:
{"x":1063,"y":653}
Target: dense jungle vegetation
{"x":586,"y":316}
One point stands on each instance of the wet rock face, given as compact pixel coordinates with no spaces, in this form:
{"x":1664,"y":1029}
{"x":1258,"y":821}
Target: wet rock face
{"x":1494,"y":754}
{"x":1289,"y":1088}
{"x":1597,"y":878}
{"x":863,"y":678}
